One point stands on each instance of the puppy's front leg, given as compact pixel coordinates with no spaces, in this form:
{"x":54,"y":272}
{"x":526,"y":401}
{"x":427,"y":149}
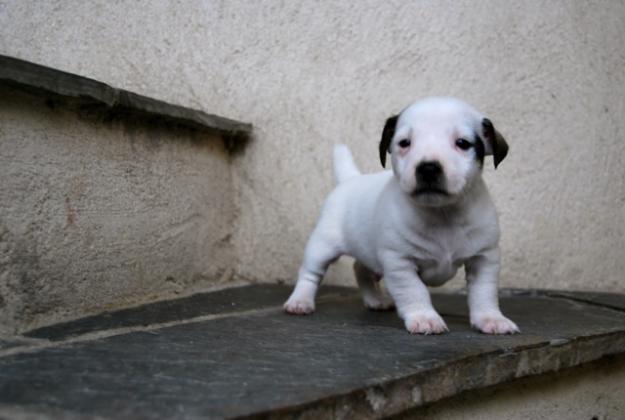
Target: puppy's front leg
{"x":320,"y":252}
{"x":482,"y":281}
{"x":412,"y":299}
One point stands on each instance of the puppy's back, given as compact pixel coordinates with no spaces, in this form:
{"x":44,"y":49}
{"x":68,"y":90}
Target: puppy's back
{"x":350,"y":212}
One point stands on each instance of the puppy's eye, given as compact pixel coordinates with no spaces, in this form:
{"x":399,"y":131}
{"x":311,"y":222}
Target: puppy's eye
{"x":464,"y":144}
{"x":404,"y":143}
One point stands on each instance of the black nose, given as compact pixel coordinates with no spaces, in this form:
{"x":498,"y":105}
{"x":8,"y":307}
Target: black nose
{"x":429,"y":172}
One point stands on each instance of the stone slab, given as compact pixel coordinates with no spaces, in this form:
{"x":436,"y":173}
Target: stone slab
{"x":12,"y":342}
{"x":607,"y":300}
{"x":231,"y":300}
{"x":41,"y":80}
{"x":343,"y":361}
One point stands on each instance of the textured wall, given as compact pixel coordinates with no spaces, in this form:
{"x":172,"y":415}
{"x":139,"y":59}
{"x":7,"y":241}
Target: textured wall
{"x":96,"y":215}
{"x":307,"y":74}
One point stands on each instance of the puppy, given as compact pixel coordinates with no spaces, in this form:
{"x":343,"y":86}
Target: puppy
{"x":415,"y":226}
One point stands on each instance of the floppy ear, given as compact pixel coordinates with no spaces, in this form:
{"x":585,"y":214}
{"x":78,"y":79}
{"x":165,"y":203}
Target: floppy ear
{"x":387,"y":136}
{"x":495,"y":144}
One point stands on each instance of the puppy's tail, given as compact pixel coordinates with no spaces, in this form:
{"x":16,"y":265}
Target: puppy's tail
{"x":344,"y":166}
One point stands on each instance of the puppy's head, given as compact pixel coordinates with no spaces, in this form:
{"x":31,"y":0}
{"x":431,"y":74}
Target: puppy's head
{"x":437,"y":148}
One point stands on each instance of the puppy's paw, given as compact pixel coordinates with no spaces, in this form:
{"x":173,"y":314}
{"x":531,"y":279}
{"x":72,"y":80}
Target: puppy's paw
{"x":379,"y":303}
{"x":299,"y":306}
{"x":425,"y":322}
{"x":494,"y":323}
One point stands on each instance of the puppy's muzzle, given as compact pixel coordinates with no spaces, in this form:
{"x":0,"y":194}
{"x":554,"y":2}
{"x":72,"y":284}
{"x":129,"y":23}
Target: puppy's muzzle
{"x":429,"y":172}
{"x":430,"y":178}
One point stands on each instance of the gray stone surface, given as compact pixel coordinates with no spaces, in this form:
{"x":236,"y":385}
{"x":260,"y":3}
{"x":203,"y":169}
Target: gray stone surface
{"x":609,"y":300}
{"x":343,"y":361}
{"x":231,"y":300}
{"x":55,"y":84}
{"x":10,"y":342}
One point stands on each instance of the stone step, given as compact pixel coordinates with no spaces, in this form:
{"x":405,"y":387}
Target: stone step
{"x":58,"y":86}
{"x":108,"y":198}
{"x":234,"y":353}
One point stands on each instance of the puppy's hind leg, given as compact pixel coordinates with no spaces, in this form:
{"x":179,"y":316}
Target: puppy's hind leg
{"x":369,"y":284}
{"x":320,"y":253}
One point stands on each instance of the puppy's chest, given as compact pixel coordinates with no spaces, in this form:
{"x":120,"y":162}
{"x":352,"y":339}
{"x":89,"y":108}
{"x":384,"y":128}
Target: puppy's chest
{"x":440,"y":253}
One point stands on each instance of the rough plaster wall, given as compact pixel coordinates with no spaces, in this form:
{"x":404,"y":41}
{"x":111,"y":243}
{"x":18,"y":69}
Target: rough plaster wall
{"x":593,"y":392}
{"x":307,"y":74}
{"x":95,"y":215}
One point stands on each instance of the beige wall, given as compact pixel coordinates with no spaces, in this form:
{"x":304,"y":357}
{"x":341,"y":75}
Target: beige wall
{"x":307,"y":74}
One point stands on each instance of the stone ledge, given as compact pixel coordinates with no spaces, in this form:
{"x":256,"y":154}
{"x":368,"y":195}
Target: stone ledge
{"x":241,"y":356}
{"x":56,"y":84}
{"x":233,"y":300}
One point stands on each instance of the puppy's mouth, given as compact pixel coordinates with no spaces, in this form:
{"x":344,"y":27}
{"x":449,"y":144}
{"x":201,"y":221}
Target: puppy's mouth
{"x":430,"y":191}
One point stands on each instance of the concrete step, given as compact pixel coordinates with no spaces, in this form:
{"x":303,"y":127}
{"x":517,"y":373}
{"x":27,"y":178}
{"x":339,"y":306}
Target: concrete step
{"x":59,"y":87}
{"x":108,"y":198}
{"x":234,"y":353}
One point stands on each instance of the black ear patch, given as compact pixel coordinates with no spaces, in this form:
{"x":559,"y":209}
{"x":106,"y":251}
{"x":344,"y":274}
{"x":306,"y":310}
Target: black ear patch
{"x":480,"y":150}
{"x":387,"y":136}
{"x":497,"y":142}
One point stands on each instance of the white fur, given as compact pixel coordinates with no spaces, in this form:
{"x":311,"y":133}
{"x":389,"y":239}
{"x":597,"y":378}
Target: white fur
{"x":412,"y":239}
{"x":344,"y":166}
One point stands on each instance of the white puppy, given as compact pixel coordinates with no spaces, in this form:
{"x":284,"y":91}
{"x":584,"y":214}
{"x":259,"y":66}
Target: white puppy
{"x":415,"y":226}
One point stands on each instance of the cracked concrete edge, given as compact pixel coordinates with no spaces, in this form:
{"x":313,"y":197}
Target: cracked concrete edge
{"x":398,"y":395}
{"x":46,"y":81}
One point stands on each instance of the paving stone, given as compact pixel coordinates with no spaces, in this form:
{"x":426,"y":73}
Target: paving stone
{"x":608,"y":300}
{"x":341,"y":361}
{"x":11,"y":342}
{"x":224,"y":301}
